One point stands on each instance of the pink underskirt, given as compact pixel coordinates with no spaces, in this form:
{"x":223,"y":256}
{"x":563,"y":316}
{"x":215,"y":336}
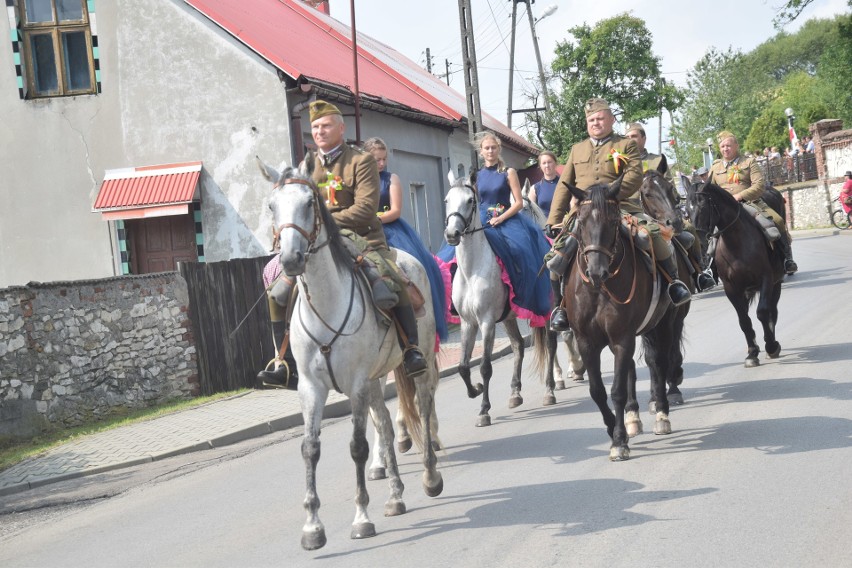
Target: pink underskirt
{"x":522,"y":313}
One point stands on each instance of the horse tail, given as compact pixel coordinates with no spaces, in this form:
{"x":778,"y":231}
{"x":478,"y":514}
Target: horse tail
{"x":539,"y":343}
{"x":406,"y":391}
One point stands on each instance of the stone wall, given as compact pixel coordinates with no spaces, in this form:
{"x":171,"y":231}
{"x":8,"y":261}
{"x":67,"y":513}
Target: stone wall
{"x":74,"y":352}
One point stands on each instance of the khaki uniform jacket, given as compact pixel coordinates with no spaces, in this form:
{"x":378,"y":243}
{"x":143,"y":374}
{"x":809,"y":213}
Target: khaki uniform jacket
{"x":741,"y":177}
{"x":589,"y":164}
{"x":358,"y":197}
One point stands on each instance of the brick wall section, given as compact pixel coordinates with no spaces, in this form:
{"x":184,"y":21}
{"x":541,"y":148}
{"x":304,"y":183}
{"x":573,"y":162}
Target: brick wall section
{"x":74,"y":352}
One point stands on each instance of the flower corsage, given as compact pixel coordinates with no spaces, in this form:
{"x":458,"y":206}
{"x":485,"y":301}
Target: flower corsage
{"x":734,"y":174}
{"x":617,"y":159}
{"x":332,"y":185}
{"x":495,"y":211}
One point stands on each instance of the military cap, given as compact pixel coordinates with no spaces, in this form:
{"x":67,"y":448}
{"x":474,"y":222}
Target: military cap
{"x":319,"y":109}
{"x":723,"y":135}
{"x":635,"y":126}
{"x":596,"y":105}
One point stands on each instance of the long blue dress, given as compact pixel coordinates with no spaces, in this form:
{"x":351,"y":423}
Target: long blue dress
{"x":399,"y":234}
{"x":517,"y":242}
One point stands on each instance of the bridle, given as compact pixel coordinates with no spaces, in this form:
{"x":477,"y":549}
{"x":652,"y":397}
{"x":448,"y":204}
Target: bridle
{"x":611,"y":253}
{"x":467,"y":221}
{"x":701,"y":203}
{"x":311,"y":237}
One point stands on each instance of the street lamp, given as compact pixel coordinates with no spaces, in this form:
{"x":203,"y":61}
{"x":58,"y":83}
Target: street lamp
{"x":709,"y":142}
{"x":790,"y":132}
{"x":547,"y":12}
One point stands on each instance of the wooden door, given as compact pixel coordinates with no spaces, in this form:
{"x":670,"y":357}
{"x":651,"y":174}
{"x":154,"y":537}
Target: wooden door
{"x":159,"y":243}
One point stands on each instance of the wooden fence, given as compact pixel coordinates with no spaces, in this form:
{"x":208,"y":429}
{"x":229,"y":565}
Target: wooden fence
{"x":221,"y":294}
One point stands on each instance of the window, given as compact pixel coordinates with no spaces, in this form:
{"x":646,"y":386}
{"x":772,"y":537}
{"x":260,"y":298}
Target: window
{"x":57,"y":46}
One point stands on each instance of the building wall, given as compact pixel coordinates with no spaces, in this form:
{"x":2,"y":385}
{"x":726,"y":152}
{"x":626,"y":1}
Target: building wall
{"x":73,"y":352}
{"x":54,"y":154}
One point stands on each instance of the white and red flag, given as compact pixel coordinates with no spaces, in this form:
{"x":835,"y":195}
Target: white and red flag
{"x":794,"y":140}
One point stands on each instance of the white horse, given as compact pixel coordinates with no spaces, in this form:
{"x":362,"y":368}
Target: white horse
{"x":481,"y":298}
{"x":576,"y":362}
{"x":340,"y":341}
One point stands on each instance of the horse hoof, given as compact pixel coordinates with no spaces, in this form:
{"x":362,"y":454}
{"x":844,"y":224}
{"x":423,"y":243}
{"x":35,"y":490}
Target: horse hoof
{"x":774,"y":353}
{"x":560,"y":385}
{"x":633,"y":424}
{"x":578,"y":377}
{"x":675,"y":399}
{"x":313,"y":540}
{"x":752,"y":362}
{"x":662,"y":426}
{"x":435,"y":489}
{"x":515,"y":400}
{"x":652,"y":407}
{"x":549,"y":399}
{"x":619,"y":453}
{"x":377,"y":473}
{"x":483,"y":420}
{"x":393,"y":508}
{"x":363,"y":530}
{"x":403,"y":445}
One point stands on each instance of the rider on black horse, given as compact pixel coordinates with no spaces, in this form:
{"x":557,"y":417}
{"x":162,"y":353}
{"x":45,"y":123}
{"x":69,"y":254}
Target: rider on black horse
{"x":602,"y":158}
{"x":743,"y":178}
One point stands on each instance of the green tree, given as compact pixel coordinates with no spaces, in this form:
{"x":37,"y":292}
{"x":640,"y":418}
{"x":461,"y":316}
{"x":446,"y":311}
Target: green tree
{"x":612,"y":60}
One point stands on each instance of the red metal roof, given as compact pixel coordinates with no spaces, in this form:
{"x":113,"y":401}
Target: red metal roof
{"x":148,"y":186}
{"x":307,"y":44}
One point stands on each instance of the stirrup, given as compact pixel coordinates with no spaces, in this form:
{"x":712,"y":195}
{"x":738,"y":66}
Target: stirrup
{"x":414,"y":361}
{"x":276,"y":377}
{"x":704,"y":281}
{"x":559,"y":320}
{"x":684,"y":296}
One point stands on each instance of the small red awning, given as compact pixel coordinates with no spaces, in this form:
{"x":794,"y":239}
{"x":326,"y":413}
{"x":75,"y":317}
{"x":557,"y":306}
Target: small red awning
{"x":148,"y":191}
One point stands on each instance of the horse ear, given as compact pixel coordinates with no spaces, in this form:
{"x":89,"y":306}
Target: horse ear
{"x":451,"y":177}
{"x":472,"y":177}
{"x":576,"y":191}
{"x":615,"y":187}
{"x":526,"y":190}
{"x":270,"y":173}
{"x":306,"y":168}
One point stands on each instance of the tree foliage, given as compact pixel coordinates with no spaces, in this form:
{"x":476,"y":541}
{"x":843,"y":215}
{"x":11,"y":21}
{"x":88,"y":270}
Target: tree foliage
{"x":747,"y":93}
{"x":612,"y":60}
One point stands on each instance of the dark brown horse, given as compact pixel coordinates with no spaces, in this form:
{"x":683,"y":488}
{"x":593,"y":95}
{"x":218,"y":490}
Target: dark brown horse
{"x":656,"y":195}
{"x":746,"y":263}
{"x":612,"y":298}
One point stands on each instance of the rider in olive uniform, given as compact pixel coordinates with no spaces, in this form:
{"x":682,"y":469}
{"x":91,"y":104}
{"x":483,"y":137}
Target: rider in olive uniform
{"x":743,"y":178}
{"x":594,"y":161}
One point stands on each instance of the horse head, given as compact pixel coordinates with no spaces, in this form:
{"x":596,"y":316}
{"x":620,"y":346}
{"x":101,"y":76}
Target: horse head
{"x":656,"y":194}
{"x":598,"y":217}
{"x":462,"y":206}
{"x":714,"y":207}
{"x":301,"y":222}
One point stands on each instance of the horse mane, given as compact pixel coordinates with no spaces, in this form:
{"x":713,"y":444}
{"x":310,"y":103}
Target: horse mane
{"x":597,"y":194}
{"x":338,"y":249}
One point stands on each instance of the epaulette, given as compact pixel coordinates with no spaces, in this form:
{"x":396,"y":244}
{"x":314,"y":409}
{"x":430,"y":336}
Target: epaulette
{"x":358,"y":149}
{"x":717,"y":161}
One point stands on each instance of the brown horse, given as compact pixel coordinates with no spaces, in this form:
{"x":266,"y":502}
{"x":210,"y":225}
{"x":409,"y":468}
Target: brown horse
{"x":612,"y":298}
{"x":745,"y":262}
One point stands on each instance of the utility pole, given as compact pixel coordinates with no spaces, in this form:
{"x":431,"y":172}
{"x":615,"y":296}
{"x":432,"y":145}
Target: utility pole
{"x":471,"y":78}
{"x":355,"y":73}
{"x":512,"y":63}
{"x":447,"y":64}
{"x":532,"y":21}
{"x":537,"y":53}
{"x":428,"y":61}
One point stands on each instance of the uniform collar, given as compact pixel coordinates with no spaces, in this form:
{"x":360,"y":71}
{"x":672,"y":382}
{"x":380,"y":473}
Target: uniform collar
{"x":602,"y":141}
{"x":732,"y":162}
{"x":328,"y":157}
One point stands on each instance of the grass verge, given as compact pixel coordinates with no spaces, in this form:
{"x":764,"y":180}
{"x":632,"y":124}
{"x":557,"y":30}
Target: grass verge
{"x":15,"y":451}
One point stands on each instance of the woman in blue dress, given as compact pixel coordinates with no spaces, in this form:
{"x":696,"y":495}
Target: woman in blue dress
{"x":399,"y":234}
{"x":542,"y":192}
{"x":518,"y":243}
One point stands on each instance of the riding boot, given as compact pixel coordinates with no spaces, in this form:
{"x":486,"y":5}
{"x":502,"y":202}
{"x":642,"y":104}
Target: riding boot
{"x":790,"y":266}
{"x":284,"y":375}
{"x":413,"y":359}
{"x":558,"y":317}
{"x":677,"y":290}
{"x":704,"y":281}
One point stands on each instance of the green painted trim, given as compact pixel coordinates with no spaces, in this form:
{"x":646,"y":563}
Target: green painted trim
{"x":119,"y":224}
{"x":199,"y":238}
{"x":90,"y":4}
{"x":17,"y":58}
{"x":98,"y":75}
{"x":14,"y":34}
{"x":201,"y":259}
{"x":125,"y":268}
{"x":96,"y":52}
{"x":196,"y":215}
{"x":20,"y":82}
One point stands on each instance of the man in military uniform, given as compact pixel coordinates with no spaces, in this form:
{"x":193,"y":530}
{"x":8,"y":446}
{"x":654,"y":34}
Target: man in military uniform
{"x":591,"y":162}
{"x":354,"y":204}
{"x":690,"y":241}
{"x":743,"y":178}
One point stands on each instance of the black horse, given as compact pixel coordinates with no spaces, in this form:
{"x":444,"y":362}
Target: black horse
{"x":656,"y":195}
{"x":612,"y":298}
{"x":745,"y":262}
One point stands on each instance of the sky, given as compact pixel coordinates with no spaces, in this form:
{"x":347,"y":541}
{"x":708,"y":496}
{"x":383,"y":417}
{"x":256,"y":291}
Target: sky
{"x":682,"y":31}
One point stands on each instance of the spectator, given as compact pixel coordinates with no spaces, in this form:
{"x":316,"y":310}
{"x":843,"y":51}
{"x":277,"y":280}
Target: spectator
{"x":809,"y":146}
{"x":846,"y":193}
